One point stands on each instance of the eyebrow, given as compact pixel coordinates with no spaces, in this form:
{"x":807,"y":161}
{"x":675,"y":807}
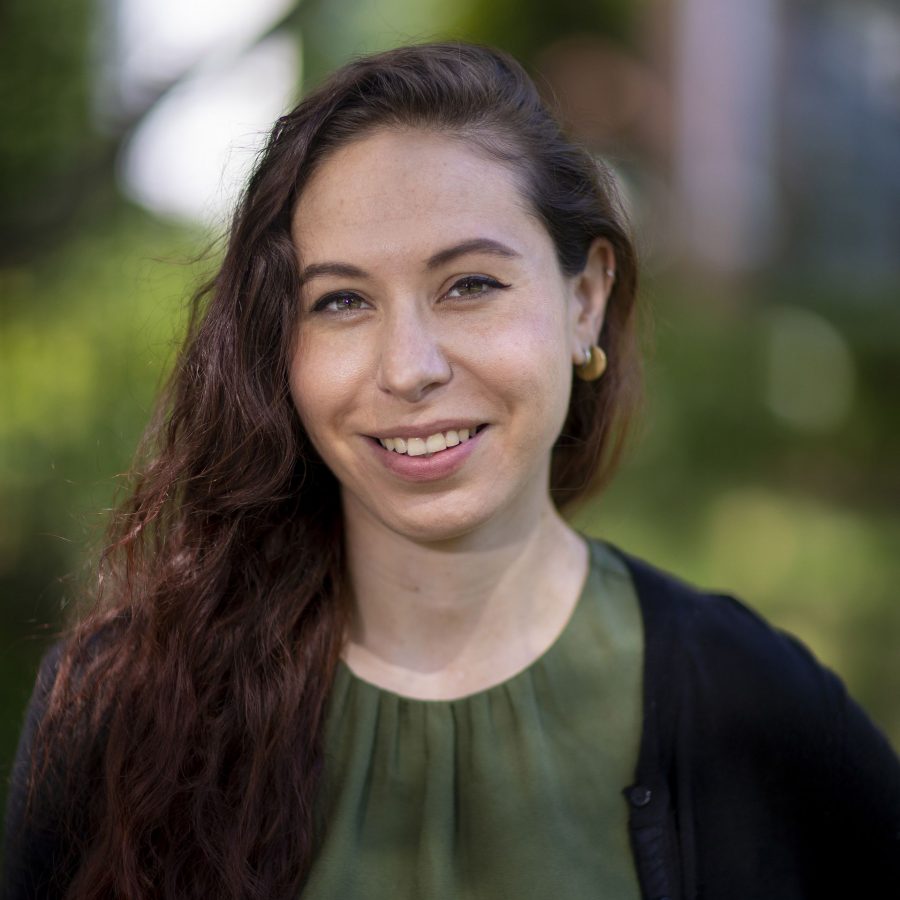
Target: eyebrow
{"x":442,"y":257}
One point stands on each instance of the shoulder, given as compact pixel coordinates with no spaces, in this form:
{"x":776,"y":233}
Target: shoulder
{"x":751,"y":721}
{"x":718,"y":675}
{"x":49,"y":786}
{"x":34,"y":843}
{"x":723,"y":646}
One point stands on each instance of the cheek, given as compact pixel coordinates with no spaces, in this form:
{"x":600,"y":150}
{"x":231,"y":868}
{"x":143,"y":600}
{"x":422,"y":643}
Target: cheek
{"x":324,"y":377}
{"x":540,"y":340}
{"x":315,"y":392}
{"x":531,"y":365}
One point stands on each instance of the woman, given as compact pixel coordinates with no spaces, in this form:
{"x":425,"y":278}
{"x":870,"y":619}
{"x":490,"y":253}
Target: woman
{"x":346,"y":646}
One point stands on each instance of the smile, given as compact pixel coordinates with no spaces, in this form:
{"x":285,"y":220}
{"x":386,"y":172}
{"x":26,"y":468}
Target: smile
{"x":434,"y":443}
{"x":423,"y":454}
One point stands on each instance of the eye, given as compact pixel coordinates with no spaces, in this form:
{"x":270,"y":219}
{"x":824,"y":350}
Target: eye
{"x":340,"y":302}
{"x":475,"y":286}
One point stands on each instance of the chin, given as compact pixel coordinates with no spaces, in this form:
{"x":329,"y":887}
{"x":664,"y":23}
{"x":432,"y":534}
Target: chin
{"x":431,"y":530}
{"x":436,"y":522}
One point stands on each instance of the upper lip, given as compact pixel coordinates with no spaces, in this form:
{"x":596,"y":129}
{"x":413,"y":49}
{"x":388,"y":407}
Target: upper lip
{"x":423,"y":431}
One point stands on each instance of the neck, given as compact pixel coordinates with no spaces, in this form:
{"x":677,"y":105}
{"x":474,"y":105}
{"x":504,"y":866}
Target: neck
{"x":442,"y":619}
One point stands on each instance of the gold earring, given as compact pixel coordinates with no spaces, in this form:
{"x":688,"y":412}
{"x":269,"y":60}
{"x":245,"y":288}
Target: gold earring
{"x":594,"y":364}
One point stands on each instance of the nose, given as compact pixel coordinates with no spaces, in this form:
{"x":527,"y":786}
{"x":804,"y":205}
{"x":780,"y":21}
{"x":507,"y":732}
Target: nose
{"x":411,"y":359}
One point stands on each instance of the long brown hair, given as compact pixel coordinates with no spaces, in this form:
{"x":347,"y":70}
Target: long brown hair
{"x":193,"y":694}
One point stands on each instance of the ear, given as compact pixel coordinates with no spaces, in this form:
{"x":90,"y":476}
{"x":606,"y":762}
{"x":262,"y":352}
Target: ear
{"x":590,"y":290}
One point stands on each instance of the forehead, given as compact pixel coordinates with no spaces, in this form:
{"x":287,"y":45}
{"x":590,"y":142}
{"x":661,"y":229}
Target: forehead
{"x":404,"y":191}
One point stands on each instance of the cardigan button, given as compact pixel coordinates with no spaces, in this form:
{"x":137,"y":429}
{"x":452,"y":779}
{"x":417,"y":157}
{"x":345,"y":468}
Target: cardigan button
{"x":640,"y":795}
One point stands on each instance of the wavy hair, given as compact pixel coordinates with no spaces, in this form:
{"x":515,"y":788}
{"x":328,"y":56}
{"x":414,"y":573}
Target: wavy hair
{"x":191,"y":697}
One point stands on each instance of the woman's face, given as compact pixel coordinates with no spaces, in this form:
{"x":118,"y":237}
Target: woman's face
{"x":433,"y":361}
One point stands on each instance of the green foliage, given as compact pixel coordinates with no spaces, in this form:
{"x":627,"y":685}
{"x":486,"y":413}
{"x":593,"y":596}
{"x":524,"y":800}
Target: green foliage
{"x":86,"y":336}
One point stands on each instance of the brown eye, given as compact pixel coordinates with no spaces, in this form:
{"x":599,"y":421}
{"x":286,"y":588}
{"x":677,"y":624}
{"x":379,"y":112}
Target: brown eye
{"x":474,"y":286}
{"x":340,"y":302}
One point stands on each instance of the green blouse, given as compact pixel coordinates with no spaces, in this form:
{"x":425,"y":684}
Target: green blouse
{"x":512,"y":792}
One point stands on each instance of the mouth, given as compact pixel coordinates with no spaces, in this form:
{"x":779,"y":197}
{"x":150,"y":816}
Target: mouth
{"x":432,"y":444}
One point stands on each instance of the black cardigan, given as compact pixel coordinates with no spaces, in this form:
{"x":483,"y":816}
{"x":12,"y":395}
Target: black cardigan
{"x":757,"y":777}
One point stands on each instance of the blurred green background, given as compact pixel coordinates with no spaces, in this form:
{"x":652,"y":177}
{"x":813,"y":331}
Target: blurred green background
{"x":763,"y":182}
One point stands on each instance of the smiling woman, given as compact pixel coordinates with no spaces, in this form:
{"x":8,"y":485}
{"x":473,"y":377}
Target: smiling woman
{"x":344,"y":643}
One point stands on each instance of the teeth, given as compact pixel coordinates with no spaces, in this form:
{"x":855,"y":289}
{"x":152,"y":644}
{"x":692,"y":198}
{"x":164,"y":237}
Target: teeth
{"x":415,"y":447}
{"x":434,"y":443}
